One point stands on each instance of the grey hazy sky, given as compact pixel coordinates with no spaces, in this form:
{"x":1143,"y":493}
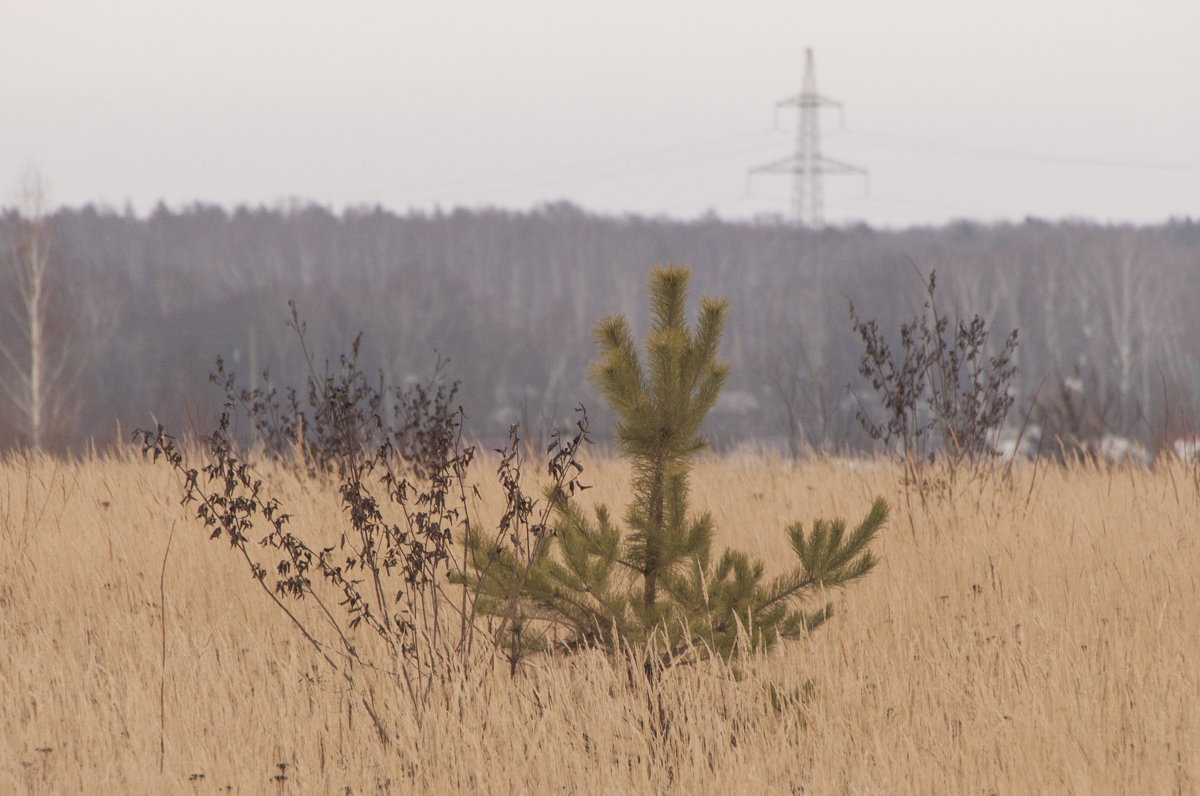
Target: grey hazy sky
{"x":987,"y":110}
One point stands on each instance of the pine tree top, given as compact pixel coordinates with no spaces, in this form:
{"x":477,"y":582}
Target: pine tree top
{"x":662,"y":402}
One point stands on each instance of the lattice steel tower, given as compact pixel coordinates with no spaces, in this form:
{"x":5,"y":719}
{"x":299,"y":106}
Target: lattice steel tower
{"x":808,"y":165}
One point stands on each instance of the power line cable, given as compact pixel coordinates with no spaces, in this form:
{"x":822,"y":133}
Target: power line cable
{"x":618,"y":173}
{"x":539,"y":177}
{"x":958,"y":150}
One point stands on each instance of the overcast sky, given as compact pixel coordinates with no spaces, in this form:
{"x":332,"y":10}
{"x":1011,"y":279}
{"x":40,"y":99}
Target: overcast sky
{"x":959,"y":109}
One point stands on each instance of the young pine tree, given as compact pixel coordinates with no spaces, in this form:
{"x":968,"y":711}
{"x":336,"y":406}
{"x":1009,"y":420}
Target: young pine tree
{"x":653,"y":585}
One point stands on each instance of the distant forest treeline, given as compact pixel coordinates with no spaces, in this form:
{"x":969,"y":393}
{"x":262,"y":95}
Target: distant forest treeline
{"x":140,"y":307}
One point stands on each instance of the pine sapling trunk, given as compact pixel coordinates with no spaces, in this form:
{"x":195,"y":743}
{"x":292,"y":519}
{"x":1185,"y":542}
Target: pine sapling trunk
{"x":657,"y":510}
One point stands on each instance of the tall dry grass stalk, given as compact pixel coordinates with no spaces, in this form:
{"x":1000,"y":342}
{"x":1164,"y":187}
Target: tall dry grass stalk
{"x":1037,"y":636}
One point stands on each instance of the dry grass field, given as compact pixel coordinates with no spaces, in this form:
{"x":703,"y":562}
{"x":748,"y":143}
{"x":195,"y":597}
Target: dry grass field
{"x":1034,"y":636}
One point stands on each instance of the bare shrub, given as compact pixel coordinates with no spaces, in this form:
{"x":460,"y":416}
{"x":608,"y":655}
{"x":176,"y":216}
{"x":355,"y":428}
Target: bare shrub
{"x":406,"y":494}
{"x":942,"y":393}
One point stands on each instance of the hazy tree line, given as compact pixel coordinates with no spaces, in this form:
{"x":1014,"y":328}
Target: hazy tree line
{"x":132,"y":312}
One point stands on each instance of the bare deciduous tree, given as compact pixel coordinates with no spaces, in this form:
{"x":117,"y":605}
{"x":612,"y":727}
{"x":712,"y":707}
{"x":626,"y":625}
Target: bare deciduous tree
{"x":34,"y":344}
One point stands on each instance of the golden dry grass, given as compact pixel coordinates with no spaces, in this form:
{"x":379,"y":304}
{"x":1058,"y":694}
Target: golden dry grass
{"x":1035,"y":637}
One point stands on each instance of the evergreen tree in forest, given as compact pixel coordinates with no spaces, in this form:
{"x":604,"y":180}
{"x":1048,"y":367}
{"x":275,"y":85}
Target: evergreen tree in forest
{"x":653,"y":584}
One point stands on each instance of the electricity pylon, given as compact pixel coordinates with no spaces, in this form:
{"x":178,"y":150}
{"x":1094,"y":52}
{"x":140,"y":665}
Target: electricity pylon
{"x":808,"y":165}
